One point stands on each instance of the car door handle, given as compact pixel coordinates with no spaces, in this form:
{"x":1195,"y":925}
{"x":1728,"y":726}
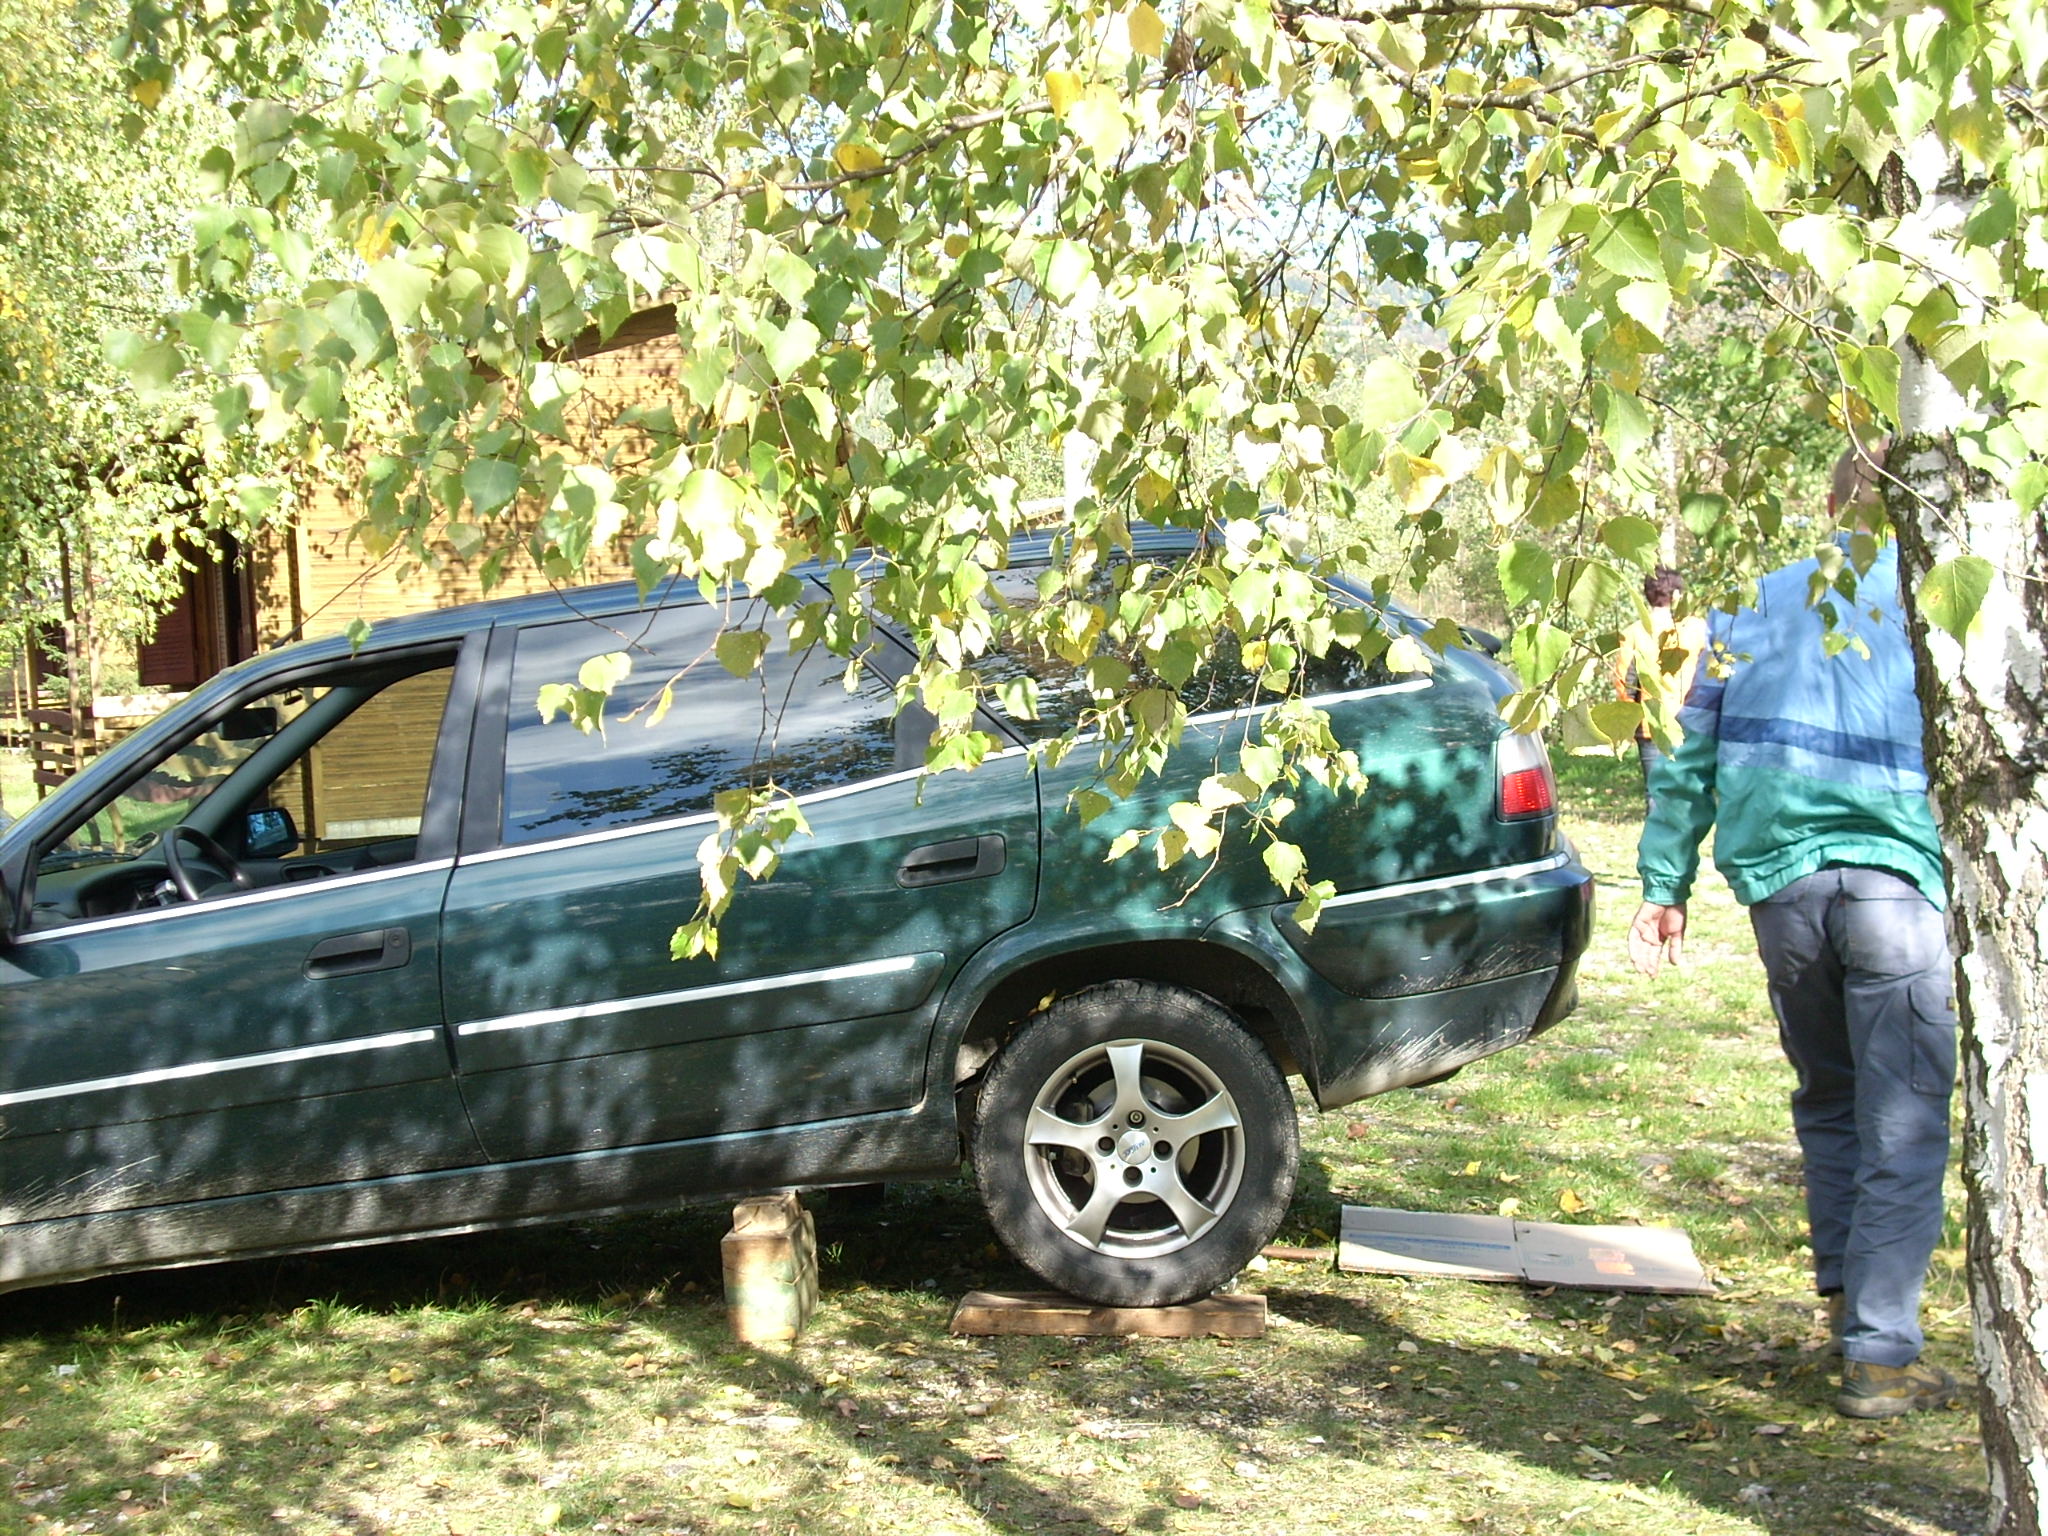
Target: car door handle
{"x":354,"y":954}
{"x":964,"y":858}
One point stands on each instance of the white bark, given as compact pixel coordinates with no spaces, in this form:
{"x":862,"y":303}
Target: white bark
{"x":1986,"y":700}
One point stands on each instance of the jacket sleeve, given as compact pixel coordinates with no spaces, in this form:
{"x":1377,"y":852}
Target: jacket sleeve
{"x":1682,"y":790}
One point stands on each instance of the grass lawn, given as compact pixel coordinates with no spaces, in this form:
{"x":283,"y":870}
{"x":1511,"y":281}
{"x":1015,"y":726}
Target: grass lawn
{"x":580,"y":1379}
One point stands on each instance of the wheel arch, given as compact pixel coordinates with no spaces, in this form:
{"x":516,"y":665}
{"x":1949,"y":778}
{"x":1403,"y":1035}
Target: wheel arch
{"x":1226,"y":975}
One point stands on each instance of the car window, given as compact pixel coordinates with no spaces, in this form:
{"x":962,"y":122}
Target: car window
{"x":1219,"y":682}
{"x":323,"y":777}
{"x":792,"y":723}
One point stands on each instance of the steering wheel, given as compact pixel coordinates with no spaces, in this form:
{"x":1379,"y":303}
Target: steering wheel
{"x":211,"y":851}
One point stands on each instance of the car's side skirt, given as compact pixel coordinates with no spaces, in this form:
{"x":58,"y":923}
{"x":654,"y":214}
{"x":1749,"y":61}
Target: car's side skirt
{"x":921,"y":1142}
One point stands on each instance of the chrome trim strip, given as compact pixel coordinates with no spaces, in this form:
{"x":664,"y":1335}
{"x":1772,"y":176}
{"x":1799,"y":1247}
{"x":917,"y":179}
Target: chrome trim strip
{"x":226,"y":1064}
{"x":229,"y":903}
{"x":888,"y":967}
{"x":1450,"y":882}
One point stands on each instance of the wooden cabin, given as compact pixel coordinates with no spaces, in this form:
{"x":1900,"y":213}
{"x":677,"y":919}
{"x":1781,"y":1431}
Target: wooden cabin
{"x":316,"y":578}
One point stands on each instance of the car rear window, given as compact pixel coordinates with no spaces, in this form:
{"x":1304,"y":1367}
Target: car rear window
{"x":1220,"y":683}
{"x":792,"y":723}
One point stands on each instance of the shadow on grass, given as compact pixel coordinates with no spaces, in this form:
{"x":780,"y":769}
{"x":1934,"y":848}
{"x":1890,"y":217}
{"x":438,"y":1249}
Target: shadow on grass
{"x":503,"y":1358}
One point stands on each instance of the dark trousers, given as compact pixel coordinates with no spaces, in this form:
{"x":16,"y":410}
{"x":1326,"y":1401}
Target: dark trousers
{"x":1862,"y":983}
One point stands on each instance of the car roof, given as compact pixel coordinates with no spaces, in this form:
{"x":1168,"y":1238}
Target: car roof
{"x":610,"y":598}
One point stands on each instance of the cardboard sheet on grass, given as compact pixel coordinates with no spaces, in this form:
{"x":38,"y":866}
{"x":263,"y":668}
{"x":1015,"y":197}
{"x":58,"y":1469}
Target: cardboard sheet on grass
{"x":1531,"y":1252}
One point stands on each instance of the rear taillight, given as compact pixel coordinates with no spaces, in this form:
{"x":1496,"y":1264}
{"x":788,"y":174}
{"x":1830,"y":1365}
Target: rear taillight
{"x":1523,"y":768}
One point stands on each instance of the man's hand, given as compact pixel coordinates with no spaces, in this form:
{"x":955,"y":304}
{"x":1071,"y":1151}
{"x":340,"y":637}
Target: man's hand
{"x":1657,"y":932}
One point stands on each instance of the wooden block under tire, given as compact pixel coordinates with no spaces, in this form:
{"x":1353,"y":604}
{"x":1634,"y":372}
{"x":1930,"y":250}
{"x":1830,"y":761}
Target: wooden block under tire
{"x":1050,"y":1313}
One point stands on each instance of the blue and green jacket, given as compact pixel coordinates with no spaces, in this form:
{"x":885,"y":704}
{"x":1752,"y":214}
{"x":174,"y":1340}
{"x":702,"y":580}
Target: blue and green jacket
{"x":1796,"y":758}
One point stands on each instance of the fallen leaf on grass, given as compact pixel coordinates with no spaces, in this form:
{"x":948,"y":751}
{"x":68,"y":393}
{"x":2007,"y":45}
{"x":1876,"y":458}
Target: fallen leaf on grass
{"x":1569,"y":1202}
{"x":399,"y":1375}
{"x":1185,"y":1498}
{"x":1647,"y":1418}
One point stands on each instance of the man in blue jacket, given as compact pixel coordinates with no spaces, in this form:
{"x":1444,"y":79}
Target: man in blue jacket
{"x":1805,"y":753}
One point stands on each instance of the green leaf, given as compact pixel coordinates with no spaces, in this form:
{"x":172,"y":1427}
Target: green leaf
{"x":401,"y":288}
{"x":1616,"y":719}
{"x":1634,"y":539}
{"x":1626,"y":245}
{"x":1702,"y":511}
{"x":358,"y":318}
{"x":152,"y":363}
{"x":602,"y":673}
{"x":1594,"y":585}
{"x":1871,"y":289}
{"x":709,"y":498}
{"x":1285,"y":863}
{"x":1623,"y":422}
{"x":1387,"y":395}
{"x":1831,"y":244}
{"x":490,"y":484}
{"x":1953,"y":593}
{"x":1527,"y":573}
{"x":1537,"y":652}
{"x":1064,"y":266}
{"x":1727,"y":209}
{"x":789,"y":275}
{"x":1648,"y":303}
{"x":788,"y":347}
{"x":740,"y":650}
{"x":1099,"y":121}
{"x":1876,"y":369}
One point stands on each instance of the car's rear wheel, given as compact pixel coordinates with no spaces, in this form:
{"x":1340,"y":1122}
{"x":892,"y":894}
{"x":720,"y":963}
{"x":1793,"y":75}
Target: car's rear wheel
{"x":1135,"y":1145}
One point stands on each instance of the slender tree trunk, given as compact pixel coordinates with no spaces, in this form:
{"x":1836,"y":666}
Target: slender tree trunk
{"x":1986,"y":703}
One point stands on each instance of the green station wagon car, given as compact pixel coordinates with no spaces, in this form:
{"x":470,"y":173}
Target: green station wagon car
{"x":352,"y":946}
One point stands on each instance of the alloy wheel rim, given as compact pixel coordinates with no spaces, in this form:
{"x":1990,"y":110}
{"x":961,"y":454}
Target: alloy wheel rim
{"x":1134,"y":1149}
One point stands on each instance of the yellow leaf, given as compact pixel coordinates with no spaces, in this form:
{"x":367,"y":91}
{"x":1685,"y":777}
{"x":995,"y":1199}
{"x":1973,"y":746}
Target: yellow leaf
{"x":401,"y":1374}
{"x":150,"y":92}
{"x":1153,"y":488}
{"x":373,"y":238}
{"x":1062,"y":88}
{"x":1509,"y":1206}
{"x":1148,"y":32}
{"x":1569,"y":1202}
{"x":857,"y":159}
{"x":1471,"y":1168}
{"x":956,"y":246}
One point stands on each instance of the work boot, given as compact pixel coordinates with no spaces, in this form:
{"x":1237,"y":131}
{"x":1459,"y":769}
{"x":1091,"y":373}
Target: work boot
{"x":1872,"y":1391}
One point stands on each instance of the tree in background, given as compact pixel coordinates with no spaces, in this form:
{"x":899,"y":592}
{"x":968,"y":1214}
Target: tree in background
{"x":1536,"y":200}
{"x":95,"y":479}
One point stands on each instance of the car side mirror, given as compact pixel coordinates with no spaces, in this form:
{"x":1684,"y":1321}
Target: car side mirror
{"x":268,"y":833}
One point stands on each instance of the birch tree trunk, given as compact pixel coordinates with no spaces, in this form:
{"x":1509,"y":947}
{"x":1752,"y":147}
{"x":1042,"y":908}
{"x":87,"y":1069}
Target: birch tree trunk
{"x":1986,"y":705}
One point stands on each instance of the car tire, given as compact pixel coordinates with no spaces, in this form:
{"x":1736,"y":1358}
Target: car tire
{"x":1135,"y":1145}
